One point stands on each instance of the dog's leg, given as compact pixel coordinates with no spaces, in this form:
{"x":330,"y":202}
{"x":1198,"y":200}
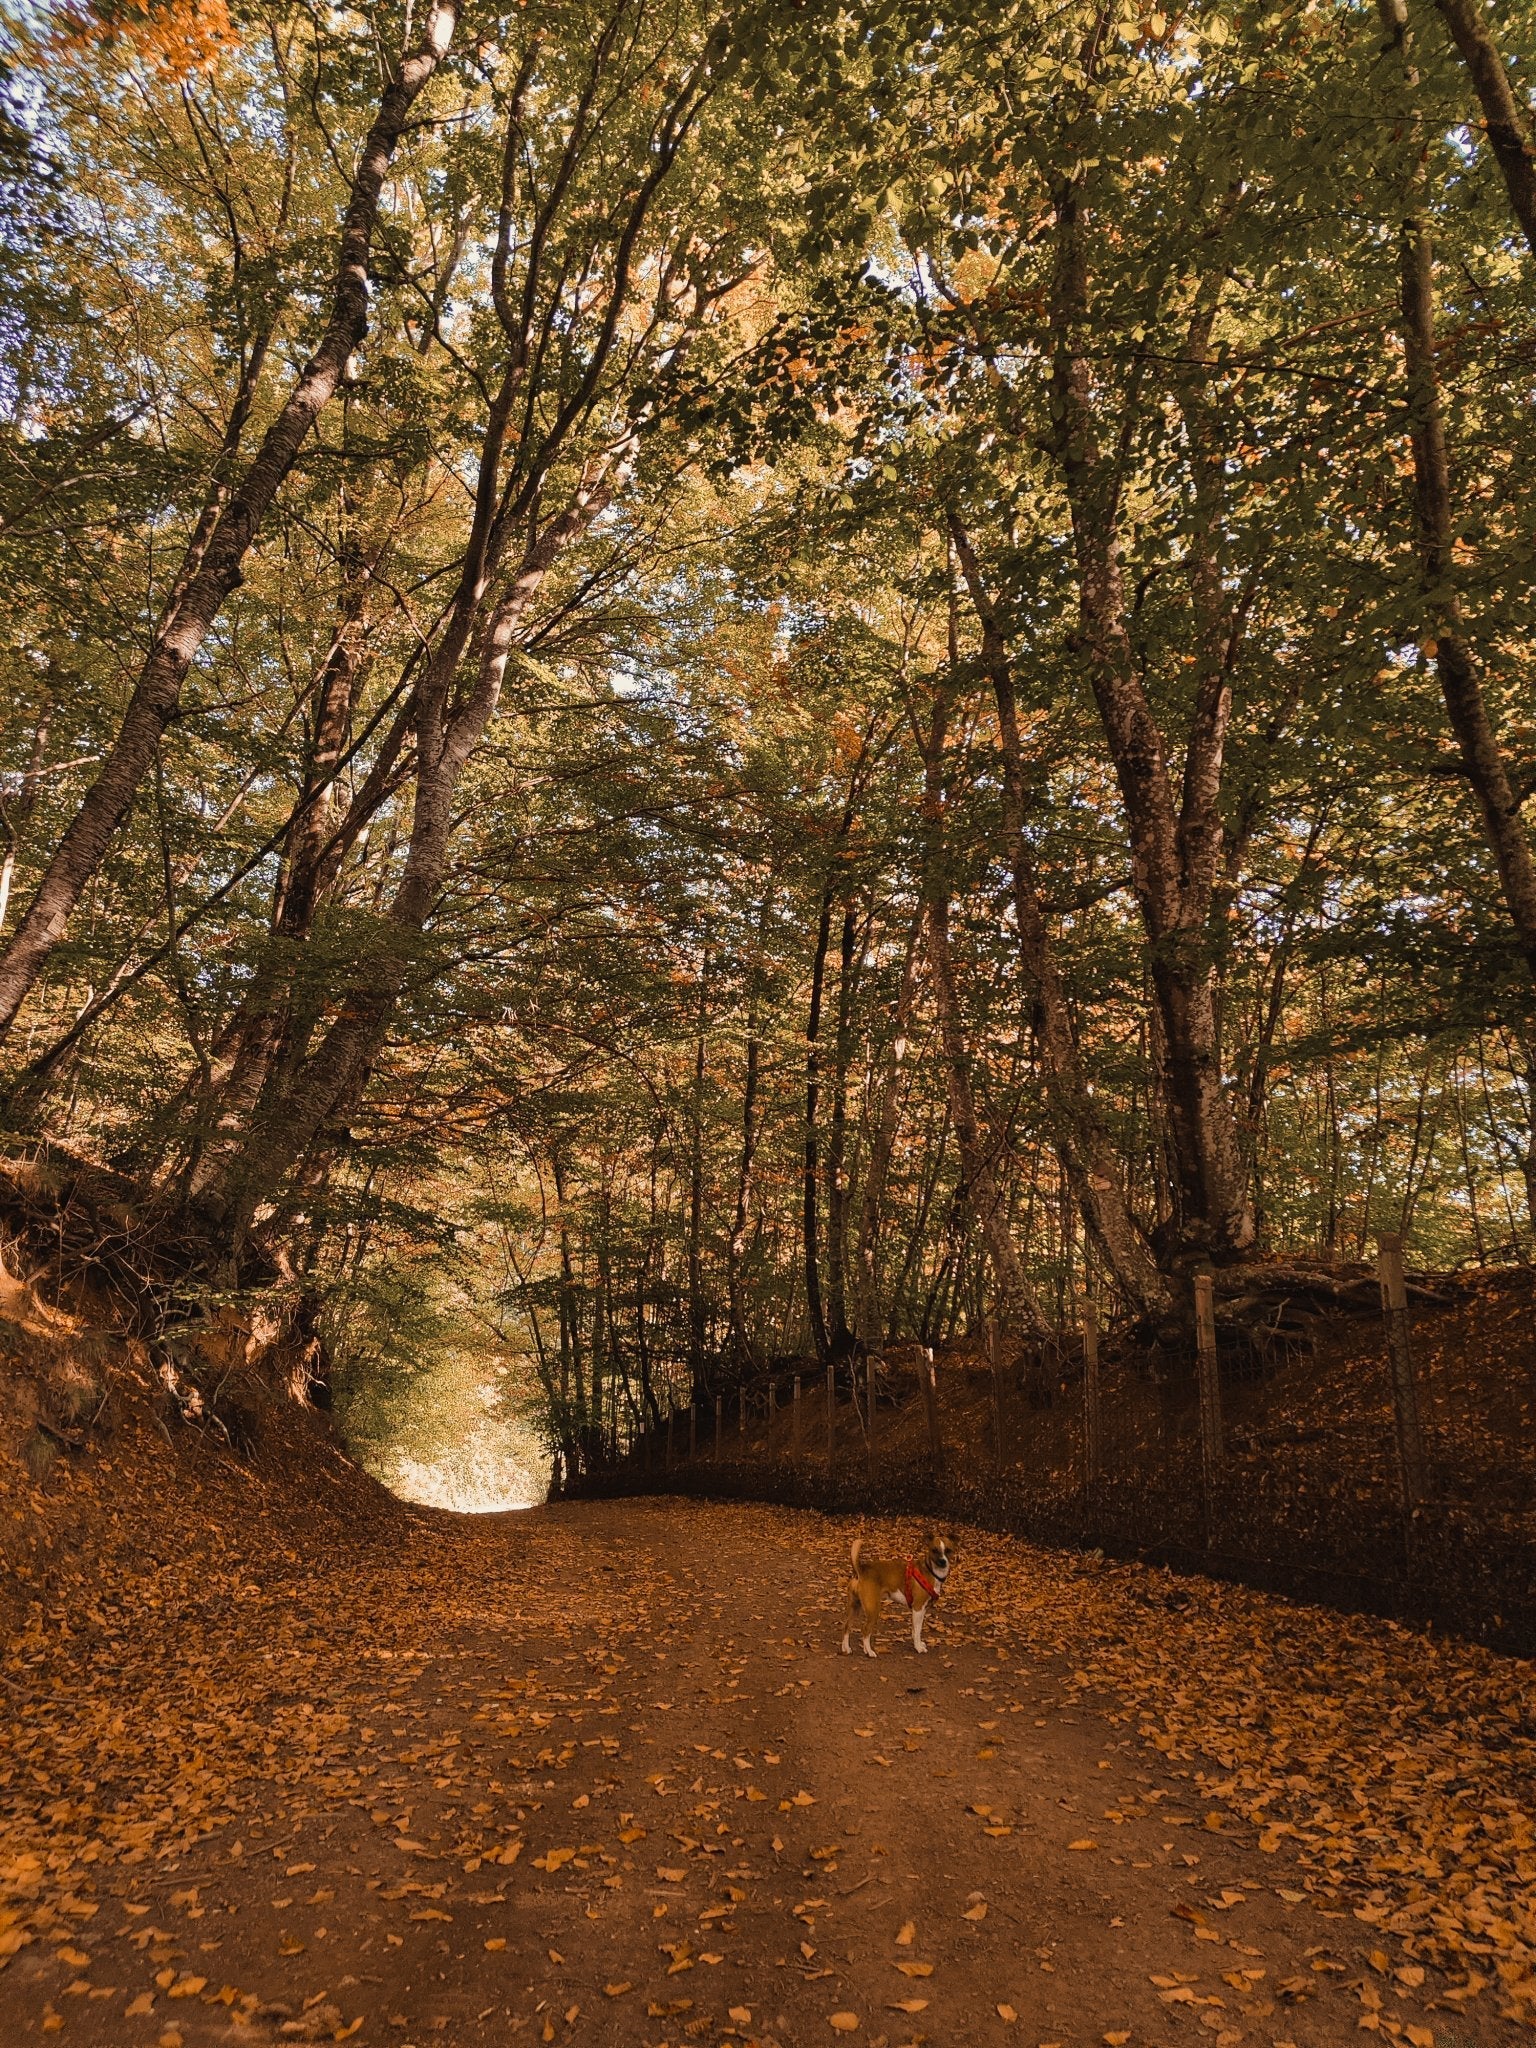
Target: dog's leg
{"x":871,"y":1617}
{"x":918,"y":1614}
{"x":853,"y":1608}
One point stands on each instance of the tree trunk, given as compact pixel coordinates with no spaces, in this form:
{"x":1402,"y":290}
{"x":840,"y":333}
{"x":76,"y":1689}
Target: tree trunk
{"x":984,"y":1194}
{"x":811,"y":1174}
{"x":882,"y":1143}
{"x":261,"y":1031}
{"x":837,"y":1139}
{"x":983,"y":1191}
{"x":1460,"y":683}
{"x":696,"y":1192}
{"x":1507,"y":120}
{"x":199,"y":596}
{"x":1174,"y":847}
{"x":1087,"y":1154}
{"x":741,"y":1344}
{"x":331,"y":1081}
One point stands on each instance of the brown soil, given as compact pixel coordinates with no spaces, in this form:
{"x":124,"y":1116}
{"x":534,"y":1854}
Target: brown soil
{"x":599,"y":1773}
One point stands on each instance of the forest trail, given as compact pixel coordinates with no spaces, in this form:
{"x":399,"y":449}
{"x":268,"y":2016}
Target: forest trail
{"x":598,"y":1773}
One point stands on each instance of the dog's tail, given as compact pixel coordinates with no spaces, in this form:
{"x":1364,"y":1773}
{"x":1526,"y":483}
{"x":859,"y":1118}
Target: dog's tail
{"x":853,"y":1550}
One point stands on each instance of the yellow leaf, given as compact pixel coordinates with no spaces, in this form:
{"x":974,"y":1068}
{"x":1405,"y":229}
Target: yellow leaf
{"x":907,"y":1935}
{"x":496,"y":1943}
{"x":808,"y":1799}
{"x":1085,"y":1843}
{"x":915,"y":1969}
{"x":1118,"y":2040}
{"x":1006,"y":2012}
{"x":845,"y":2022}
{"x":976,"y":1912}
{"x":670,"y":1876}
{"x":742,"y":2015}
{"x":616,"y":1990}
{"x":909,"y":2005}
{"x":552,"y":1859}
{"x":628,"y":1835}
{"x":145,"y":2002}
{"x":187,"y":1987}
{"x":75,"y":1957}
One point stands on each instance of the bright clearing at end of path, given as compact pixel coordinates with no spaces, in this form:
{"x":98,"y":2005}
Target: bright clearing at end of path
{"x":477,"y":1480}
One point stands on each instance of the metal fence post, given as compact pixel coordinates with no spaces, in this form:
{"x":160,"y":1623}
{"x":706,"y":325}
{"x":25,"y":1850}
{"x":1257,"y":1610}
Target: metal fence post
{"x":930,"y":1382}
{"x":1210,"y":1393}
{"x":1411,"y":1462}
{"x":1093,"y":1438}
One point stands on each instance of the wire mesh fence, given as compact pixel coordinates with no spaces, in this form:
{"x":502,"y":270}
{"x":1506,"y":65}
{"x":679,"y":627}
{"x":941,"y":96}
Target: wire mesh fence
{"x":1376,"y":1450}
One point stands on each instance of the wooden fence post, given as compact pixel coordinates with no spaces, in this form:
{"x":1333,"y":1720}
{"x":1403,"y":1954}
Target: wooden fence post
{"x":831,"y":1411}
{"x":693,"y":1431}
{"x":930,"y":1383}
{"x":719,"y":1418}
{"x":1093,"y":1440}
{"x":869,"y":1399}
{"x":794,"y":1437}
{"x":741,"y":1420}
{"x":667,"y":1459}
{"x":1411,"y":1462}
{"x":1206,"y":1367}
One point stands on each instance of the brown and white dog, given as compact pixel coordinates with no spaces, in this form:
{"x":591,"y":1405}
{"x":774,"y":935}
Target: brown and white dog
{"x":914,"y":1583}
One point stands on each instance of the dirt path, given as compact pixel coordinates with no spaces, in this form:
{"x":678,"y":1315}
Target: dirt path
{"x":598,"y":1773}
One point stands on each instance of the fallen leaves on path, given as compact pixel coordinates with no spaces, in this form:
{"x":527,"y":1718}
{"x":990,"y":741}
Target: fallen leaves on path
{"x":1394,"y":1769}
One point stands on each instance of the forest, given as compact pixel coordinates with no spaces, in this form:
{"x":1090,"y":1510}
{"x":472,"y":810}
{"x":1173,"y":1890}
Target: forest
{"x":686,"y":689}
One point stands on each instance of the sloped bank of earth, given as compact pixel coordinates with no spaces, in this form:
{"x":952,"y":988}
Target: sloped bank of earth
{"x":285,"y":1760}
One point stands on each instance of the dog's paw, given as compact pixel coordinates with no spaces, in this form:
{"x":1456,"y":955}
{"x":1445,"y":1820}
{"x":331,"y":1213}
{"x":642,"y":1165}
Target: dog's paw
{"x":846,"y":1646}
{"x":921,"y":1649}
{"x":869,"y":1650}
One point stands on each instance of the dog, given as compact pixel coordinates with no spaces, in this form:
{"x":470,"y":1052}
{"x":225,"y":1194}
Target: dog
{"x":914,"y":1584}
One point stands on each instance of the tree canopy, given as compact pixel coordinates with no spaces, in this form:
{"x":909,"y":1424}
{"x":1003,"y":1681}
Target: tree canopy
{"x":682,"y":687}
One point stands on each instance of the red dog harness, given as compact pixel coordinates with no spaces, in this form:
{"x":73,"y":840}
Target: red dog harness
{"x":916,"y":1574}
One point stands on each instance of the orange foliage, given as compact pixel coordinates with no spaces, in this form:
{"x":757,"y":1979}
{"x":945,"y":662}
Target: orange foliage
{"x":177,"y":35}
